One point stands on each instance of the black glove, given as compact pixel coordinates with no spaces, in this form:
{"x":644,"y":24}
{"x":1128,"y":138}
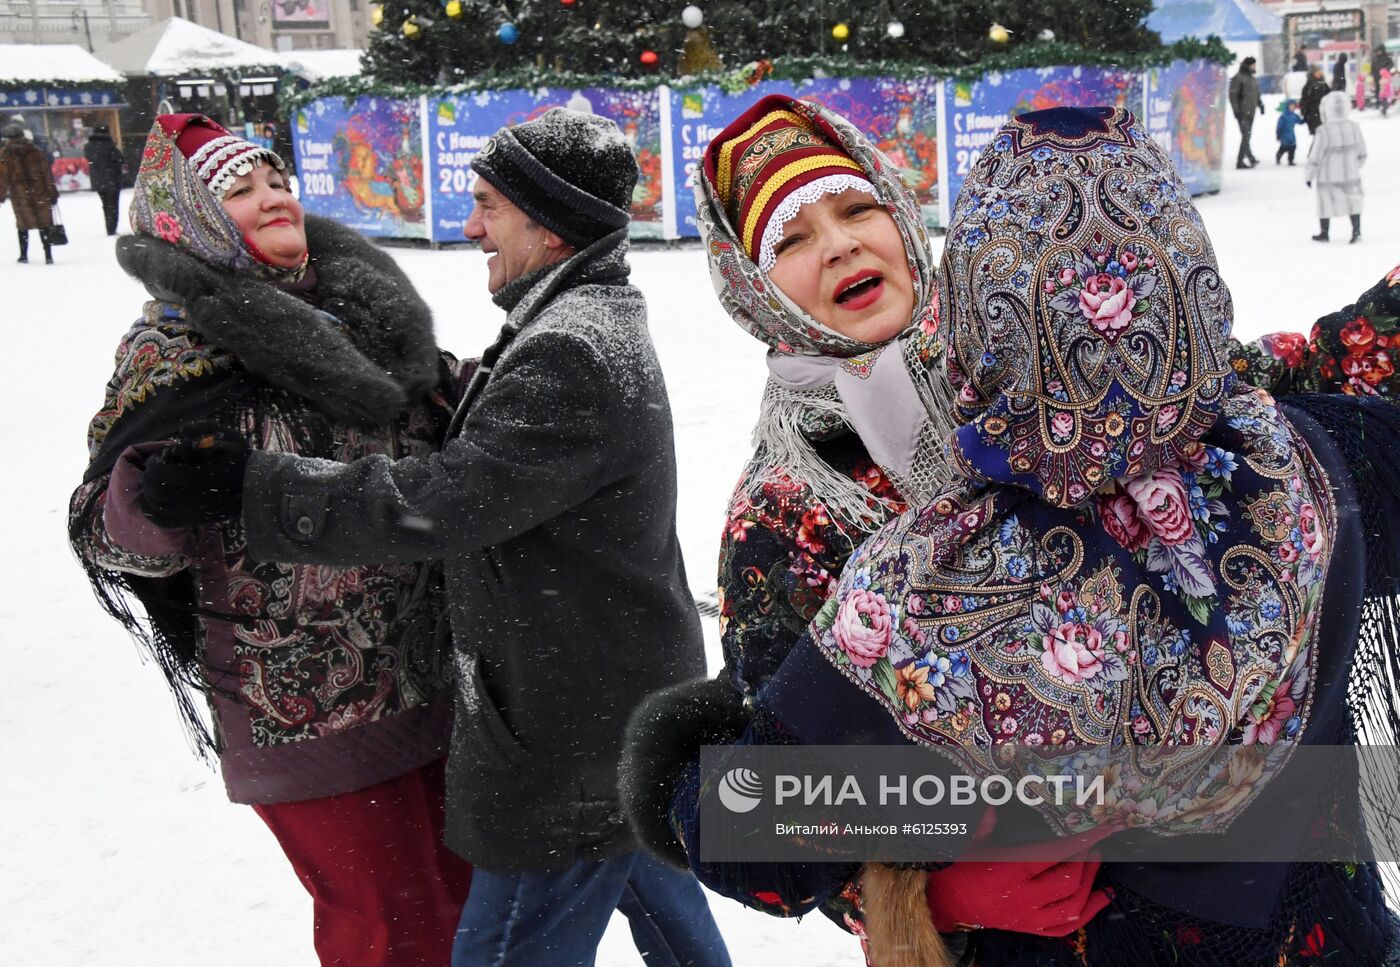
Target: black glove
{"x":196,"y":480}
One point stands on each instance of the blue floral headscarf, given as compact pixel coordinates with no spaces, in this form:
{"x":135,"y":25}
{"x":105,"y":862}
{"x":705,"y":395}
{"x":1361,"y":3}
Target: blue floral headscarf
{"x":1087,"y":321}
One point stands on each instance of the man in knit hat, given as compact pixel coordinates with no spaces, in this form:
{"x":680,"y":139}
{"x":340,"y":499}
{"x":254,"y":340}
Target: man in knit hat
{"x":552,"y":506}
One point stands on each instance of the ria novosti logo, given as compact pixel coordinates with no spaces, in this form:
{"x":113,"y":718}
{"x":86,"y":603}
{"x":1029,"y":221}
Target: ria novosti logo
{"x":740,"y":790}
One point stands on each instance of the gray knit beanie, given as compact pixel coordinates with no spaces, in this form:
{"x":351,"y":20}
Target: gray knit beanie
{"x":571,"y":172}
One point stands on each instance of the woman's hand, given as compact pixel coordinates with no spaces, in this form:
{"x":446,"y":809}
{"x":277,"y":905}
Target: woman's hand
{"x":196,"y":480}
{"x":1051,"y":896}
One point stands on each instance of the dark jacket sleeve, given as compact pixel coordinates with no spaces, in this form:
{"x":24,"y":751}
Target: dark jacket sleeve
{"x":778,"y":889}
{"x":807,"y":701}
{"x":535,"y":444}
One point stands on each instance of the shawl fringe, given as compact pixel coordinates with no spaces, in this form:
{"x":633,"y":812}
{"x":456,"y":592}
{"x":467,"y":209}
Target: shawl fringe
{"x":162,"y":614}
{"x":787,"y":422}
{"x":1367,"y":432}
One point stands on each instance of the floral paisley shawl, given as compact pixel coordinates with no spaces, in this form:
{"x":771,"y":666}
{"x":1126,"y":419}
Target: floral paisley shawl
{"x":315,"y":650}
{"x":1351,"y":351}
{"x":1169,"y":607}
{"x":780,"y":557}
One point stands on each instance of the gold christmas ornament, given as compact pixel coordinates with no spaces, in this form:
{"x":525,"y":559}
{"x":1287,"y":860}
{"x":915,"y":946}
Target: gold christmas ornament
{"x":998,"y":34}
{"x":841,"y":31}
{"x":453,"y":9}
{"x":376,"y":15}
{"x":411,"y":28}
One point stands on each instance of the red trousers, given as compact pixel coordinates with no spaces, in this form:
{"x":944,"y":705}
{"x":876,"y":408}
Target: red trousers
{"x":386,"y":891}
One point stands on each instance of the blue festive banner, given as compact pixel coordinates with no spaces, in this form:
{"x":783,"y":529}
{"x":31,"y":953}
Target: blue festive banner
{"x":365,"y":164}
{"x":973,"y":111}
{"x":459,"y":125}
{"x":900,"y":117}
{"x":1186,"y":115}
{"x":361,"y":164}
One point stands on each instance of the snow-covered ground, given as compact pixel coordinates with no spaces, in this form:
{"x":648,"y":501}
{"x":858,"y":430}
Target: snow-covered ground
{"x":118,"y":848}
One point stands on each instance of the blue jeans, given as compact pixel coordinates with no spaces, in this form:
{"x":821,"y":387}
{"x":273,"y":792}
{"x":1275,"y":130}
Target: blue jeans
{"x":556,"y":918}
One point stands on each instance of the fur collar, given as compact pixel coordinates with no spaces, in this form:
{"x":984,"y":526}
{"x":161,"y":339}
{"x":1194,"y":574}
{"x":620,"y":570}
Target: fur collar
{"x":364,"y":370}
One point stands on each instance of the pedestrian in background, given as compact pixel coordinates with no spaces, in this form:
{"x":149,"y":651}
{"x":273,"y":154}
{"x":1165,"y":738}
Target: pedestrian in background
{"x":1286,"y":132}
{"x":1339,"y":73}
{"x":1244,"y":102}
{"x":1311,"y":99}
{"x":1387,"y":91}
{"x":27,"y":180}
{"x":105,"y":167}
{"x":35,"y":138}
{"x":1334,"y":161}
{"x":1381,"y":63}
{"x":1361,"y":90}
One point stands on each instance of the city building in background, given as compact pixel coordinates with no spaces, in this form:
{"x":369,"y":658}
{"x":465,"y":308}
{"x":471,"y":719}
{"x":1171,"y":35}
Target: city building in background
{"x":90,"y":24}
{"x":1325,"y":29}
{"x":176,"y":65}
{"x":275,"y":24}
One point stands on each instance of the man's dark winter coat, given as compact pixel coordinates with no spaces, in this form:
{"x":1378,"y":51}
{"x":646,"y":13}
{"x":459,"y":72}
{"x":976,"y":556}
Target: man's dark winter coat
{"x":105,"y":162}
{"x":553,"y":506}
{"x":1244,"y":95}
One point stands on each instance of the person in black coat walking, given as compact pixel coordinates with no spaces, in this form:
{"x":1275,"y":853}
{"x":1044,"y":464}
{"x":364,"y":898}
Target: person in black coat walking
{"x":105,"y":167}
{"x":1339,"y":74}
{"x":1310,"y":102}
{"x":1245,"y":102}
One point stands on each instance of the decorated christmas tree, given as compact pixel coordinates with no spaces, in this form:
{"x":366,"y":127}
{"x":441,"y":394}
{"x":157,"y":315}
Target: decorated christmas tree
{"x":450,"y":41}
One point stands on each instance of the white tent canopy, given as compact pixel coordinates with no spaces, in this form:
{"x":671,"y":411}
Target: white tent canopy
{"x":175,"y":47}
{"x":1230,"y":20}
{"x":54,"y":64}
{"x":320,"y":65}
